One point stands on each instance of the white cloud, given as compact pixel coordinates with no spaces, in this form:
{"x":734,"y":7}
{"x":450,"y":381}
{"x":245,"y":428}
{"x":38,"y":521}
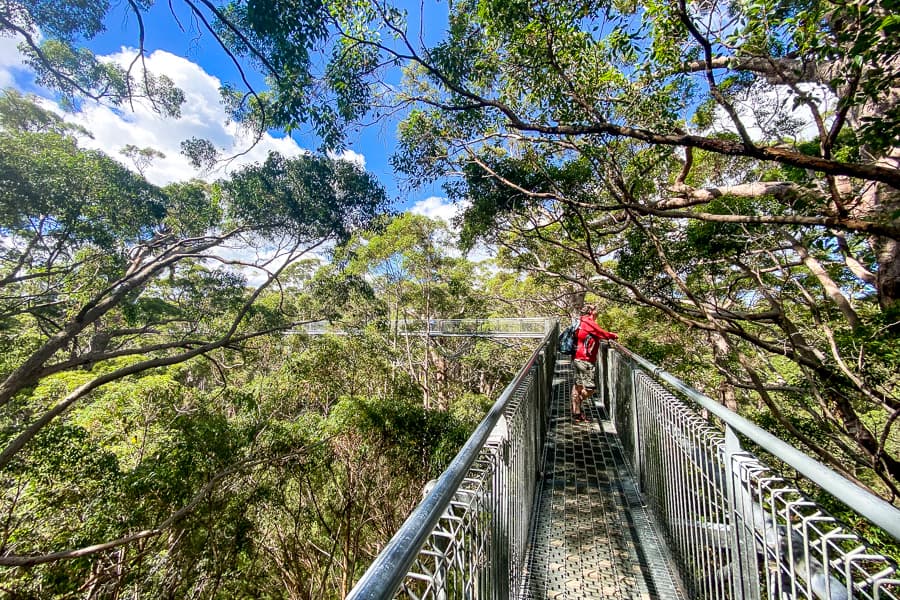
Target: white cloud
{"x":11,"y":60}
{"x":202,"y":116}
{"x":266,"y":255}
{"x":349,"y":156}
{"x":435,"y":207}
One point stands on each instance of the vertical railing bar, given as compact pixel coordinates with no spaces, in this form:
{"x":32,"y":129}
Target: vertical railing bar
{"x":751,"y":545}
{"x":674,"y":500}
{"x":691,"y":547}
{"x":696,"y":474}
{"x":690,"y":504}
{"x":737,"y":552}
{"x":784,"y":538}
{"x":792,"y":559}
{"x":635,"y":430}
{"x":731,"y":447}
{"x":678,"y":529}
{"x":718,"y":506}
{"x":707,"y":506}
{"x":655,"y":482}
{"x":668,"y":484}
{"x":764,"y":542}
{"x":680,"y":465}
{"x":690,"y":514}
{"x":697,"y":503}
{"x":715,"y":479}
{"x":733,"y":528}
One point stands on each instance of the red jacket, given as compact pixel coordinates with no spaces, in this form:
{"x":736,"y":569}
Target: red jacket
{"x":589,"y":336}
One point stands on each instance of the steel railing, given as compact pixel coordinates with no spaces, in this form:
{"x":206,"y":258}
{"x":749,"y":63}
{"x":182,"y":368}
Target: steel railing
{"x":469,"y":536}
{"x":736,"y":528}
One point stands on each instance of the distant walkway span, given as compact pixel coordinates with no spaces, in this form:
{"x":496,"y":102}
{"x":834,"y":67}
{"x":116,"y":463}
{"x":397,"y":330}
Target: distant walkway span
{"x":535,"y":327}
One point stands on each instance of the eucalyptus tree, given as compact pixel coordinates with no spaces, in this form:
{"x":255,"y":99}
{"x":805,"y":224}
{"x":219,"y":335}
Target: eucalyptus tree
{"x":567,"y":73}
{"x":283,"y":42}
{"x":654,"y":145}
{"x":107,"y":279}
{"x":777,"y":309}
{"x":141,"y":158}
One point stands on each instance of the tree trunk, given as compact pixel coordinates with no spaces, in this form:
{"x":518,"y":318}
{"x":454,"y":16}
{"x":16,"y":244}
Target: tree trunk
{"x":879,"y":201}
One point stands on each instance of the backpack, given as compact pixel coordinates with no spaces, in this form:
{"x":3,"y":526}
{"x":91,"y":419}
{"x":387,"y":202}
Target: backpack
{"x":568,"y":339}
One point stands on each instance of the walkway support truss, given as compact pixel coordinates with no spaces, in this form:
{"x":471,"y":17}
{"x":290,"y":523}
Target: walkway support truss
{"x":524,"y":327}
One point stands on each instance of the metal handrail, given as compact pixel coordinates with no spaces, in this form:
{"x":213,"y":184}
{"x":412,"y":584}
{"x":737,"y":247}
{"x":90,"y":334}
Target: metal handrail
{"x":736,"y":527}
{"x":387,"y":573}
{"x":877,"y":510}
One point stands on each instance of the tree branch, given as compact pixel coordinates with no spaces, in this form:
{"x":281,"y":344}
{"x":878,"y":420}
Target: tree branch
{"x":778,"y":71}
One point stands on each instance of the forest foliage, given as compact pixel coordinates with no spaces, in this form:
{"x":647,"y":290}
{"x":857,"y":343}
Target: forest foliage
{"x":167,"y":428}
{"x":723,"y":176}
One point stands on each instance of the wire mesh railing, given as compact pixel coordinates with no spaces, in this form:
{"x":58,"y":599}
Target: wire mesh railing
{"x":736,"y":528}
{"x":468,"y":537}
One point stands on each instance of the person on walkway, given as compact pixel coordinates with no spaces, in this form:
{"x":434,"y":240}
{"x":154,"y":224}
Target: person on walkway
{"x":586,"y":347}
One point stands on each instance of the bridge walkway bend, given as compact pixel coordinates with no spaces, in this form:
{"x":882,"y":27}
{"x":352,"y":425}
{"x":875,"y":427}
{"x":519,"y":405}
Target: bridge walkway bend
{"x":592,"y":535}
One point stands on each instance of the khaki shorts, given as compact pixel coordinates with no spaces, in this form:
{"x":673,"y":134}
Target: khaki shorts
{"x":585,"y":374}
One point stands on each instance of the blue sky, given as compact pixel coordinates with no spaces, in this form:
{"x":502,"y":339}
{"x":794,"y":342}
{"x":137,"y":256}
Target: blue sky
{"x":198,"y":65}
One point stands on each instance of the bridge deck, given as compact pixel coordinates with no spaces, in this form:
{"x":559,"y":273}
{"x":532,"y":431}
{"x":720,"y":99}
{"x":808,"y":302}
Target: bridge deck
{"x":592,"y":536}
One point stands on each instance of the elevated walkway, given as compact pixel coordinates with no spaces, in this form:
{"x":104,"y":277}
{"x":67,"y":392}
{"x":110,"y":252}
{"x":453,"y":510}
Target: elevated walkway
{"x":592,"y":535}
{"x":655,"y":497}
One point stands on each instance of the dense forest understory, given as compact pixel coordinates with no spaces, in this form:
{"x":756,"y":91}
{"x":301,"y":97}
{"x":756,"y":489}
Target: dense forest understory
{"x":722,"y":177}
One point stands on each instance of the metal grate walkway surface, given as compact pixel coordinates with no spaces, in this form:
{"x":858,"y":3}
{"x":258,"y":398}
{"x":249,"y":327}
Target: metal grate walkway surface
{"x":592,"y":536}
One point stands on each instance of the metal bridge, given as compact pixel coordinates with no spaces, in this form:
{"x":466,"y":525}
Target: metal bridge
{"x":534,"y":327}
{"x":652,"y":498}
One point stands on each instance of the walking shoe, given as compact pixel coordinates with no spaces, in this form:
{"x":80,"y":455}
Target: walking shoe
{"x":580,"y":417}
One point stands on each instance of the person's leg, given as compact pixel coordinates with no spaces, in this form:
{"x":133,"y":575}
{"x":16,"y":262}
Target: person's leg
{"x":586,"y":394}
{"x":577,"y":391}
{"x":586,"y":377}
{"x":580,"y":367}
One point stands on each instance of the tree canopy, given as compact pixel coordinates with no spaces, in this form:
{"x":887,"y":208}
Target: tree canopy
{"x":163,"y":428}
{"x":727,"y":174}
{"x":106,"y":271}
